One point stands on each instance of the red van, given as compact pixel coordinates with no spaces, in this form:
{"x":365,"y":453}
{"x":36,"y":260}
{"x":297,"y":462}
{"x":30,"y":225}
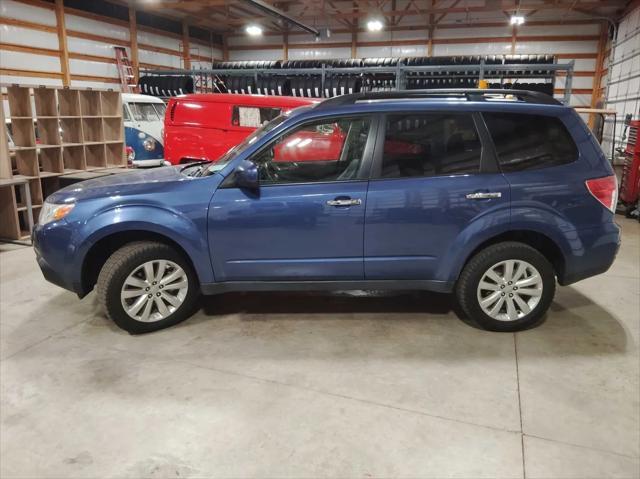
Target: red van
{"x":205,"y":126}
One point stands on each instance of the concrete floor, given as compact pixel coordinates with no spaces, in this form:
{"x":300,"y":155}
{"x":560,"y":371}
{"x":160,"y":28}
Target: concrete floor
{"x":319,"y":385}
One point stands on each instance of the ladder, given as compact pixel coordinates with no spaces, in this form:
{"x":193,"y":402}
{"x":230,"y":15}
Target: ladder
{"x":125,"y":70}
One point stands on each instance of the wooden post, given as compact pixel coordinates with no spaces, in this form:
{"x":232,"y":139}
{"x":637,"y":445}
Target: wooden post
{"x":62,"y":43}
{"x":354,"y":42}
{"x":225,"y":48}
{"x":514,"y":33}
{"x":186,"y":48}
{"x":5,"y":160}
{"x":431,"y":30}
{"x":133,"y":38}
{"x":597,"y":79}
{"x":285,"y":45}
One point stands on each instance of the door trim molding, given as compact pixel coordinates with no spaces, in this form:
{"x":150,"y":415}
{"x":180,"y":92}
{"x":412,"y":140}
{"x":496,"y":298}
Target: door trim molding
{"x":404,"y":284}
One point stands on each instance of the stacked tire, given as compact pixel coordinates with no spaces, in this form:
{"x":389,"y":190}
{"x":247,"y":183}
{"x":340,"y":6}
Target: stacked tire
{"x":166,"y":86}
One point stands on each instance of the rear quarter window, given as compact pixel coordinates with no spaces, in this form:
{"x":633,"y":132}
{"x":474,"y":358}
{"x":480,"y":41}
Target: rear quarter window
{"x":530,"y":142}
{"x":253,"y":116}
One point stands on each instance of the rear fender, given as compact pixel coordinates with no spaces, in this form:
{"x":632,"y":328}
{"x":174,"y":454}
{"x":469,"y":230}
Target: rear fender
{"x":483,"y":229}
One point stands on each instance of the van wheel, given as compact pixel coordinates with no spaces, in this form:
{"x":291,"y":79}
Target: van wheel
{"x":146,"y":286}
{"x":506,"y":287}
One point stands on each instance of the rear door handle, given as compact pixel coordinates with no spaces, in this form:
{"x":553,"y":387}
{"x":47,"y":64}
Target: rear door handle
{"x":344,"y":202}
{"x":484,"y":195}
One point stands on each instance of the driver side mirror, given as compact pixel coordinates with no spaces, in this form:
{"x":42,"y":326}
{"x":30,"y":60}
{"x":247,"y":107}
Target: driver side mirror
{"x":246,"y":175}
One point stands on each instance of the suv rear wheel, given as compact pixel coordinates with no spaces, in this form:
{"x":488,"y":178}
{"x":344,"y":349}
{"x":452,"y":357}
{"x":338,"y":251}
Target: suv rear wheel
{"x":146,"y":286}
{"x":506,"y":287}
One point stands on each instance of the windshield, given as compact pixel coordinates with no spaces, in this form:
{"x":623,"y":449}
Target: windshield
{"x":161,"y":108}
{"x":144,"y":112}
{"x":249,"y":140}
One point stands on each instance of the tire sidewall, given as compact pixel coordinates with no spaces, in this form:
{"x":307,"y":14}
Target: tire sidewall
{"x":114,"y":288}
{"x":478,"y":266}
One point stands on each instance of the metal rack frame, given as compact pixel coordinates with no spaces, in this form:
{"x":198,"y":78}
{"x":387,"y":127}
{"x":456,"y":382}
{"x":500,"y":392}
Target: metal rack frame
{"x":401,"y":72}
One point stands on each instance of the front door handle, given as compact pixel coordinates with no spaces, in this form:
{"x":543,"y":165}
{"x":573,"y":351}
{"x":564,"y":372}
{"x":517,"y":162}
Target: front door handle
{"x":344,"y":202}
{"x":484,"y":195}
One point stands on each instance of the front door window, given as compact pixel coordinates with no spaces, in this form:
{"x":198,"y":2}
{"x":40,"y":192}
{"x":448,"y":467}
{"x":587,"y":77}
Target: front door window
{"x":329,"y":150}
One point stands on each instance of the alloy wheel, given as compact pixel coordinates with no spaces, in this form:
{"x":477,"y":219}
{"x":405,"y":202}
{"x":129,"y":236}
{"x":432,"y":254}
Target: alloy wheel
{"x":154,"y":290}
{"x":510,"y":290}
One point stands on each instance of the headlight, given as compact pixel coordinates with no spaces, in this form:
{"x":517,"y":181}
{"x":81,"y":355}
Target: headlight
{"x":53,"y":212}
{"x":149,"y":144}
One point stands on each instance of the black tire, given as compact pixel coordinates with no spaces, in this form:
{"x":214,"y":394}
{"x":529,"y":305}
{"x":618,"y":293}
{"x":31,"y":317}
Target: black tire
{"x":122,"y":263}
{"x":474,"y":270}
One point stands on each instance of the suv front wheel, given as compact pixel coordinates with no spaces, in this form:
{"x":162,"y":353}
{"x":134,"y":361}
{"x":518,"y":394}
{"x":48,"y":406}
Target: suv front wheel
{"x":146,"y":286}
{"x":506,"y":287}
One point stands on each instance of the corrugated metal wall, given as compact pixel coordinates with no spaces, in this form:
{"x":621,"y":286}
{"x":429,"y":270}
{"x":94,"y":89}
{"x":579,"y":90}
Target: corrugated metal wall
{"x":623,"y":78}
{"x":29,"y":48}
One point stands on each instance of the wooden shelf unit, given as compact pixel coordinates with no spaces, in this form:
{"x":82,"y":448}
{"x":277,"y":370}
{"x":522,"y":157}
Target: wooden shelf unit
{"x":56,"y":131}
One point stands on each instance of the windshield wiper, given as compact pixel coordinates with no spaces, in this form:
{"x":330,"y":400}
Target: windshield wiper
{"x":199,"y":164}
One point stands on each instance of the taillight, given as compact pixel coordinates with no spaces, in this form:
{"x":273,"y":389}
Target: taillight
{"x":172,"y":111}
{"x":605,"y":190}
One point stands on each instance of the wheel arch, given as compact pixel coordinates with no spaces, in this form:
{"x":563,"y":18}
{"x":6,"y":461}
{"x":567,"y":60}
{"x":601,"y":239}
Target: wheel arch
{"x":102,"y":249}
{"x":543,"y":243}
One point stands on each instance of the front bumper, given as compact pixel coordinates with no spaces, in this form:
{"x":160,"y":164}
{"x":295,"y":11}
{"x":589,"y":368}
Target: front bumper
{"x":149,"y":163}
{"x":51,"y":248}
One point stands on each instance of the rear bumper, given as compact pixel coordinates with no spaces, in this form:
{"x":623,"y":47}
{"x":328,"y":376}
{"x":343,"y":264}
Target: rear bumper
{"x":593,"y":252}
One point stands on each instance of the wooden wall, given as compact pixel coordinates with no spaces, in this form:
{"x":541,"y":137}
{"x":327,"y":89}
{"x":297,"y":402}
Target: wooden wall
{"x":32,"y":46}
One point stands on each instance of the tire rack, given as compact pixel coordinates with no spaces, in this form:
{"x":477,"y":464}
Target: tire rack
{"x":399,"y":73}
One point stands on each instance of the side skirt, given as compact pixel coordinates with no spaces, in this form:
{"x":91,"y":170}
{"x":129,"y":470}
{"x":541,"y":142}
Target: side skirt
{"x":231,"y":286}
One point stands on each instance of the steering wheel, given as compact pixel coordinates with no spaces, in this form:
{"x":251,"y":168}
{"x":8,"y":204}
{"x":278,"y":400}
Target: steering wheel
{"x":271,"y":171}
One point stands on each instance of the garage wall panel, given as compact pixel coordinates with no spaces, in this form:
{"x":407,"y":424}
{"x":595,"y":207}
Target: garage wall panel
{"x":241,"y":55}
{"x":493,"y":48}
{"x":95,"y":27}
{"x":161,"y":59}
{"x":28,"y":80}
{"x":16,"y":60}
{"x":475,"y":32}
{"x":29,"y":13}
{"x":84,"y":67}
{"x":158,"y":40}
{"x":91,"y":47}
{"x":26,"y":36}
{"x":318,"y":53}
{"x":624,"y":78}
{"x":245,"y":40}
{"x":97,"y":85}
{"x":103,"y":68}
{"x":584,"y":29}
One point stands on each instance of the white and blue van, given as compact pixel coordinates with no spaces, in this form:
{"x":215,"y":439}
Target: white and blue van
{"x":143,"y":129}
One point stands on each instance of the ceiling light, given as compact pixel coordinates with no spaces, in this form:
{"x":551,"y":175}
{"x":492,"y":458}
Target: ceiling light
{"x":254,"y":30}
{"x":517,"y":20}
{"x":374,"y":25}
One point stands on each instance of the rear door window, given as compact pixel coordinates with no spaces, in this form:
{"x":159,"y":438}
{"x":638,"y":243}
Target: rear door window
{"x":530,"y":142}
{"x":422,"y":145}
{"x":253,"y":116}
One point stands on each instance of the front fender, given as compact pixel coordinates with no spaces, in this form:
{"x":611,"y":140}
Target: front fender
{"x":152,"y":218}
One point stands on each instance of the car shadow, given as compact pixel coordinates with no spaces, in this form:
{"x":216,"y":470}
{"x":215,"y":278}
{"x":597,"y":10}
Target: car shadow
{"x":293,"y":303}
{"x":574,"y":325}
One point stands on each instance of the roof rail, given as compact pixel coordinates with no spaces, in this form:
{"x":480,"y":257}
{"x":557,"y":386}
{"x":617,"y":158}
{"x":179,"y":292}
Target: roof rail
{"x":470,"y":94}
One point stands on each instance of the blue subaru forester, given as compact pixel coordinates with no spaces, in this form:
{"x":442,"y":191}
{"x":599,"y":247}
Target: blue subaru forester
{"x":491,"y":195}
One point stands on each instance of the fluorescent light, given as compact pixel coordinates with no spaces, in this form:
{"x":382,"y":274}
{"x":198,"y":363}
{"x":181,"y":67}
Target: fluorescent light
{"x":254,"y":30}
{"x":374,"y":25}
{"x":517,"y":20}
